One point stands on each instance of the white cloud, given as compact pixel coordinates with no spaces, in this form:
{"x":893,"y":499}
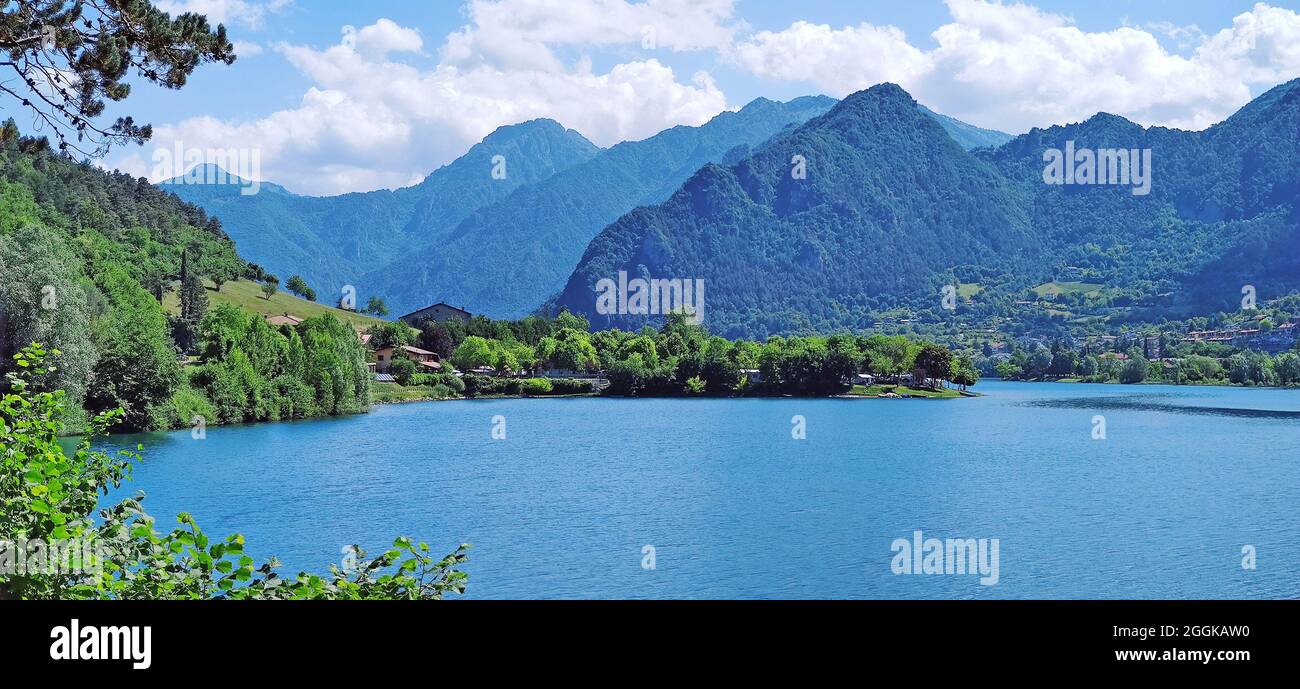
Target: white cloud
{"x":371,"y":121}
{"x":1015,"y":66}
{"x":384,"y":37}
{"x":249,"y":13}
{"x":378,"y":114}
{"x":247,"y":48}
{"x":521,"y":33}
{"x":1262,"y":45}
{"x":841,"y":60}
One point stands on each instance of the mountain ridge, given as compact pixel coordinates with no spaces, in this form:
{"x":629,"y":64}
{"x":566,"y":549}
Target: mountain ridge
{"x":784,"y":255}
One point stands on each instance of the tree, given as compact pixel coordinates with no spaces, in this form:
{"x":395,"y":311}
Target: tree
{"x":570,"y":320}
{"x":377,"y":307}
{"x":1287,"y":368}
{"x":43,"y":299}
{"x":1040,"y":363}
{"x":137,"y":369}
{"x":68,"y":57}
{"x":389,"y":334}
{"x":1009,"y":371}
{"x":1064,"y":363}
{"x":473,"y":352}
{"x":194,"y":299}
{"x":1135,"y":370}
{"x":964,"y":372}
{"x":934,"y":361}
{"x":269,"y":288}
{"x":402,"y":369}
{"x":886,"y":355}
{"x":50,"y":495}
{"x":435,"y":337}
{"x":297,"y":285}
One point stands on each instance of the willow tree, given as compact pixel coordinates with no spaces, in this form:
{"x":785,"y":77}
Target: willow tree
{"x":63,"y":60}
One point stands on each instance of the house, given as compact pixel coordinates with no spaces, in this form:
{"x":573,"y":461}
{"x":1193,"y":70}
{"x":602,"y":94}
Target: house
{"x":1274,"y":341}
{"x":1153,"y":347}
{"x":284,"y":319}
{"x":1224,"y":336}
{"x":440,"y":312}
{"x":422,"y":357}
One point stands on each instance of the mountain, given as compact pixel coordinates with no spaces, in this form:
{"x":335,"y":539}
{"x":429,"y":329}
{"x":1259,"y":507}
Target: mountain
{"x":1221,"y":212}
{"x":506,"y":257}
{"x":888,"y":196}
{"x":893,"y":207}
{"x":332,"y":241}
{"x":496,"y":246}
{"x":968,"y":135}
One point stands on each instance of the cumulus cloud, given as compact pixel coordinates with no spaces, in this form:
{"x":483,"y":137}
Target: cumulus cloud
{"x":522,"y":33}
{"x":249,"y":13}
{"x":1015,"y":66}
{"x":840,"y":60}
{"x":383,"y":37}
{"x":387,"y":105}
{"x":371,"y":120}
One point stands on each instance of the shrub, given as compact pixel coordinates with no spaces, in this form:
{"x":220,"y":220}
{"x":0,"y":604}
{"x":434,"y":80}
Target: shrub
{"x":695,"y":385}
{"x":403,"y":369}
{"x":447,"y":380}
{"x":187,"y":404}
{"x":50,"y":495}
{"x":1134,"y":371}
{"x":536,"y":386}
{"x":442,"y":392}
{"x":476,"y":385}
{"x":570,"y":386}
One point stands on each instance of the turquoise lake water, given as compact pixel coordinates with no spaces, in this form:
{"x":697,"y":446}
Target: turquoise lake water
{"x":735,"y":507}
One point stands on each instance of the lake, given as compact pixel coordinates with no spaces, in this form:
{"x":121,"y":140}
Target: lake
{"x":732,"y":506}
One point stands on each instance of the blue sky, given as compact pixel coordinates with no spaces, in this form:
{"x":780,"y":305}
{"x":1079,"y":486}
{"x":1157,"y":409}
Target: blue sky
{"x":418,"y":82}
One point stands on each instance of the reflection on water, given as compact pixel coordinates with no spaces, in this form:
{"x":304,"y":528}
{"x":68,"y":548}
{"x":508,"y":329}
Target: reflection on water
{"x":1152,"y":403}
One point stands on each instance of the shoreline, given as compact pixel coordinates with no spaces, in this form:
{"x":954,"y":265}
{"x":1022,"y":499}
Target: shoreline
{"x":1150,"y":382}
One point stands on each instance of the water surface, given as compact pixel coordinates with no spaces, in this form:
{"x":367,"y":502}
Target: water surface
{"x":736,"y":508}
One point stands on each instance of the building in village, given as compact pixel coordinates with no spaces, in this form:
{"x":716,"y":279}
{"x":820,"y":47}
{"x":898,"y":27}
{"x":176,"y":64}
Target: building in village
{"x":440,"y":312}
{"x":426,"y":360}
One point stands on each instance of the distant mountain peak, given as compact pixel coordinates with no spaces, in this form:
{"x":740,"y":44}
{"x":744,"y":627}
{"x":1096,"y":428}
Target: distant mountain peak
{"x":541,"y":126}
{"x":1109,"y":119}
{"x":883,"y":91}
{"x":214,"y":175}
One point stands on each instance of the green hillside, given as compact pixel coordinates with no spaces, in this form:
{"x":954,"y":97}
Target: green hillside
{"x":89,"y":257}
{"x":892,"y":208}
{"x":780,"y":253}
{"x":248,"y":295}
